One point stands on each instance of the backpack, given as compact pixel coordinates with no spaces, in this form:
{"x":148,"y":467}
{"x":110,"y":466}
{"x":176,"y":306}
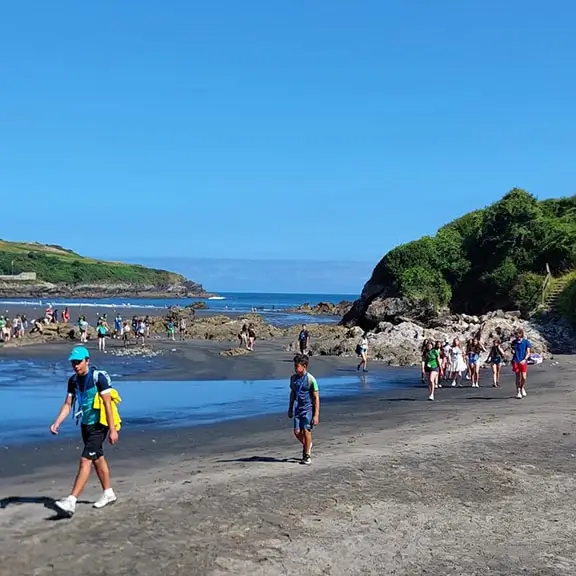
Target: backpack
{"x":358,"y":349}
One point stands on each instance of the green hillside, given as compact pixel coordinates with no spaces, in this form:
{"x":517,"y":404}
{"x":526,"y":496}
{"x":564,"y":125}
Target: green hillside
{"x":488,"y":259}
{"x":58,"y":265}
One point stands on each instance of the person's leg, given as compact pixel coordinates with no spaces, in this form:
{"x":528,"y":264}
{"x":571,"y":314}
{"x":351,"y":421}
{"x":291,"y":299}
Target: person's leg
{"x":365,"y":361}
{"x":498,"y":368}
{"x":307,"y":442}
{"x":103,"y":472}
{"x":494,"y":374}
{"x":477,"y":374}
{"x":523,"y":377}
{"x":103,"y":344}
{"x":84,"y":469}
{"x":431,"y":385}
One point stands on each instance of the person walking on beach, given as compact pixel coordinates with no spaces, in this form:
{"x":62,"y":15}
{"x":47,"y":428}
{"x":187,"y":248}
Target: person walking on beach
{"x":473,"y":352}
{"x":431,"y":367}
{"x":304,"y":339}
{"x":305,"y":394}
{"x":243,"y":336}
{"x":102,"y":332}
{"x":182,"y":329}
{"x":251,"y":337}
{"x":171,"y":331}
{"x":83,"y":327}
{"x":457,"y":363}
{"x":85,"y":388}
{"x":66,"y":316}
{"x":141,"y":333}
{"x":363,"y":352}
{"x":117,"y":326}
{"x":495,"y":359}
{"x":522,"y":348}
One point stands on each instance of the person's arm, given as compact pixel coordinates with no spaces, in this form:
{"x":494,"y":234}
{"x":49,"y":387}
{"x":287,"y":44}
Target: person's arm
{"x":316,"y":400}
{"x":104,"y":389}
{"x":291,"y":404}
{"x":528,"y":352}
{"x":63,"y":414}
{"x":107,"y":401}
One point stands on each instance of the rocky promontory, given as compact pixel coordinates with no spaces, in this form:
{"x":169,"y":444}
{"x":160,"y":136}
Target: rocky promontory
{"x":323,"y":309}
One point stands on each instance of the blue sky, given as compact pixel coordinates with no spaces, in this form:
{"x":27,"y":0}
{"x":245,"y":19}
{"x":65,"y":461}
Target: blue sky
{"x":329,"y":130}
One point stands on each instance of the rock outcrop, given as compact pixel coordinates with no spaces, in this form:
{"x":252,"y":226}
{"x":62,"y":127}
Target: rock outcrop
{"x":399,"y":343}
{"x":323,"y":309}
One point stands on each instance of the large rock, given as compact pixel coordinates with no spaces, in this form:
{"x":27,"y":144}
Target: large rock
{"x":400,"y":344}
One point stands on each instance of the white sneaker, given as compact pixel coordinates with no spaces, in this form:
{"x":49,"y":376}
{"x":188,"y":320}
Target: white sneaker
{"x":453,"y":383}
{"x":66,"y":505}
{"x":519,"y":395}
{"x":431,"y":397}
{"x":524,"y":393}
{"x":108,"y":497}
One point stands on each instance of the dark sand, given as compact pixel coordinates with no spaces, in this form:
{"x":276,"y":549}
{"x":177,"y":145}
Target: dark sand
{"x":475,"y":483}
{"x":198,"y":359}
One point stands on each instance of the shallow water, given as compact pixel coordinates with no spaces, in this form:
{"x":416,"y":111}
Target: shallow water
{"x":31,"y":394}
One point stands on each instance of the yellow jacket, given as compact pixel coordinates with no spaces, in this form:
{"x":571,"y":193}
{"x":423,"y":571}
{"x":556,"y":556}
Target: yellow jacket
{"x":99,"y":405}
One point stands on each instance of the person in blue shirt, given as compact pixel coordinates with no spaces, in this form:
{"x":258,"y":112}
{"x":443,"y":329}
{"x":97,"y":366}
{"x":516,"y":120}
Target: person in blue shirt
{"x":521,"y":349}
{"x":83,"y":387}
{"x":304,"y":393}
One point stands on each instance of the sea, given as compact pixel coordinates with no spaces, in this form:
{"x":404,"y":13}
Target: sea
{"x":32,"y":390}
{"x":275,"y":308}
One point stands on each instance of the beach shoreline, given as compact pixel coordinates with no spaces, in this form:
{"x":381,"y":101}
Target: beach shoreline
{"x":397,"y":485}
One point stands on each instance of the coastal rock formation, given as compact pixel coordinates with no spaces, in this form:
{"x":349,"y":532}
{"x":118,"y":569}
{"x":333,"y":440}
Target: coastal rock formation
{"x":399,"y":343}
{"x":323,"y":308}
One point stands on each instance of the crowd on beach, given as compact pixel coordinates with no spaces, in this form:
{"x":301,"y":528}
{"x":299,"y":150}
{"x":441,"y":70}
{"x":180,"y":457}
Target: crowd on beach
{"x":445,"y":362}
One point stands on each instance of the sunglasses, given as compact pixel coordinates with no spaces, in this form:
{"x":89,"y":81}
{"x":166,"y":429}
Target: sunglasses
{"x":77,"y":362}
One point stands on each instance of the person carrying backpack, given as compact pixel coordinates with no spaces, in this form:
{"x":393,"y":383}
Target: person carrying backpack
{"x":91,"y":393}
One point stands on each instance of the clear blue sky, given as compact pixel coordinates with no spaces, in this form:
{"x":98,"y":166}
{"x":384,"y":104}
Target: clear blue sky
{"x":264,"y":129}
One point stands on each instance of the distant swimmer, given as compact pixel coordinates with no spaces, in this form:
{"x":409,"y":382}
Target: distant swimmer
{"x":304,"y":393}
{"x":90,"y":390}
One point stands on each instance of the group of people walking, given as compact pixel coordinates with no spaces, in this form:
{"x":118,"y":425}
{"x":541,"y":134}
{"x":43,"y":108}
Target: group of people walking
{"x":452,"y":362}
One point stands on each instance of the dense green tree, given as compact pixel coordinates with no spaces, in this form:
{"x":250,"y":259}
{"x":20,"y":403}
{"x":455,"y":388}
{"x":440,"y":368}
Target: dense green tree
{"x":490,"y":258}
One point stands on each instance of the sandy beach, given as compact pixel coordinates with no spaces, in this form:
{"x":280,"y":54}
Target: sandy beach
{"x":475,"y":482}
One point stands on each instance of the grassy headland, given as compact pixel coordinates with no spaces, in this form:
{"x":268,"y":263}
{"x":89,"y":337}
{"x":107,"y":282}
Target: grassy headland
{"x":59,"y":267}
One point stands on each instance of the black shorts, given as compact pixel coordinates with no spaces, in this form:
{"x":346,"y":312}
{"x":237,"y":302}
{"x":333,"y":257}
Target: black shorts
{"x":93,"y":436}
{"x":302,"y":346}
{"x":101,"y":335}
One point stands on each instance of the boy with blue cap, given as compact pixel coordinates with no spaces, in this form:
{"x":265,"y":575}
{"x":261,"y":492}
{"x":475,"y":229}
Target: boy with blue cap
{"x":83,"y":387}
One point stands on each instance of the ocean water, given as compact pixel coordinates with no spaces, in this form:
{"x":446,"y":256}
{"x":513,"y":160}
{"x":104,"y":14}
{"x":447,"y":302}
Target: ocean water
{"x":273,"y":307}
{"x":31,"y":393}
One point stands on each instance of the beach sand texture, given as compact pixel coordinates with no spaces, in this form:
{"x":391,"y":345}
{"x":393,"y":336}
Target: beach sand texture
{"x":475,"y":483}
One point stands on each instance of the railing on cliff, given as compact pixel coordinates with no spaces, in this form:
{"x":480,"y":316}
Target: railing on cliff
{"x":546,"y":284}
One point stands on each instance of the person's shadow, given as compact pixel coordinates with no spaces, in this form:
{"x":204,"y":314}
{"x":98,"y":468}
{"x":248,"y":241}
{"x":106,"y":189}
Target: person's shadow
{"x":46,"y":501}
{"x":265,"y":459}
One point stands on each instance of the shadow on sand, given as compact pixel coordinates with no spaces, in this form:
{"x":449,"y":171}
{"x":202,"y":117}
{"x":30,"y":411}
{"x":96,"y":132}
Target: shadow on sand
{"x":265,"y":459}
{"x":46,"y":501}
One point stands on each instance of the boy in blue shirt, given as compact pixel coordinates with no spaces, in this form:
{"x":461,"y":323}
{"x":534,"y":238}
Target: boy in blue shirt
{"x":522,"y":348}
{"x":304,"y":392}
{"x":83,"y":386}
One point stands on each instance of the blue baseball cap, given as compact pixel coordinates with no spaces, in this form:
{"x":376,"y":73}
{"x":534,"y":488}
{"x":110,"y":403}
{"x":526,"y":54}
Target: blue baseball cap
{"x":79,"y":353}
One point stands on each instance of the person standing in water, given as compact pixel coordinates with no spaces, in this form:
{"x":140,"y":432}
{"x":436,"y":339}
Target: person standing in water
{"x":304,"y":393}
{"x":495,"y":359}
{"x":431,"y":367}
{"x":83,"y":388}
{"x":522,"y":348}
{"x":363,"y":350}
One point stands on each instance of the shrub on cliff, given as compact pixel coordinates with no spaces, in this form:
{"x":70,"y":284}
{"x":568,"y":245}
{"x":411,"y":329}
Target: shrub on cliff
{"x":487,"y":259}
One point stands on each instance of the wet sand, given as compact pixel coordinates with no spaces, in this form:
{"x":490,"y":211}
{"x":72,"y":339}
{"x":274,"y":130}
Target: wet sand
{"x":198,"y":359}
{"x":474,"y":483}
